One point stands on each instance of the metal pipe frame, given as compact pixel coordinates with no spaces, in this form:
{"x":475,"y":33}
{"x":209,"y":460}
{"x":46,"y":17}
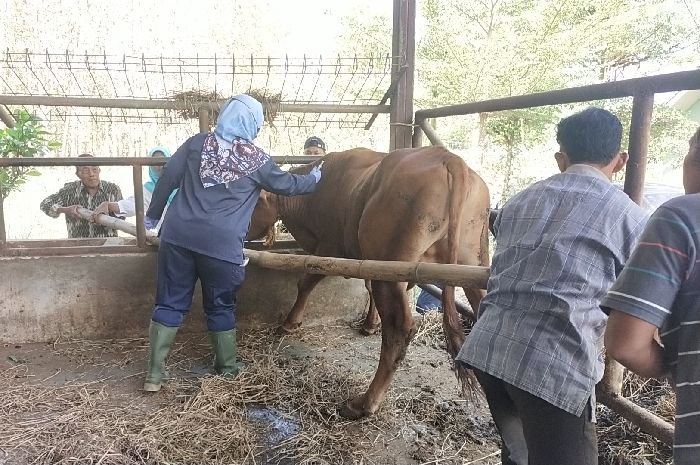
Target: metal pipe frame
{"x":138,"y":204}
{"x":684,"y":80}
{"x":128,"y":161}
{"x":430,"y":133}
{"x":166,"y":104}
{"x":6,"y":117}
{"x":135,"y":162}
{"x":73,"y":250}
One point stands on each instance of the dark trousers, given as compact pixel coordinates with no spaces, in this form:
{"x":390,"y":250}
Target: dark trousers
{"x":178,"y":271}
{"x":535,"y":432}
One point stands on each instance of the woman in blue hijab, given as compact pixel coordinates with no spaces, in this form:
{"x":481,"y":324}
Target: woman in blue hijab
{"x":127,"y":207}
{"x":219,"y":175}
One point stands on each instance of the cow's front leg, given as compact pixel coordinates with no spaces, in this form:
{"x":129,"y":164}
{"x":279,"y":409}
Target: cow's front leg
{"x":304,"y":287}
{"x":398,"y":328}
{"x":372,"y":322}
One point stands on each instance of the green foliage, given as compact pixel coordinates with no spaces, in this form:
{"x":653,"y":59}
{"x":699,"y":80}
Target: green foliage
{"x":487,"y":49}
{"x":27,"y":139}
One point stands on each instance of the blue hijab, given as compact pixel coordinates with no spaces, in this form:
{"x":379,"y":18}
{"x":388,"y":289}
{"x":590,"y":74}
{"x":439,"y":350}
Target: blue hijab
{"x":241,"y":116}
{"x":229,"y":153}
{"x":151,"y":184}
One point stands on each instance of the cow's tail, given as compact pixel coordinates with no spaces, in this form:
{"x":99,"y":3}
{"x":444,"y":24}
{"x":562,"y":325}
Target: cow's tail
{"x":451,"y":321}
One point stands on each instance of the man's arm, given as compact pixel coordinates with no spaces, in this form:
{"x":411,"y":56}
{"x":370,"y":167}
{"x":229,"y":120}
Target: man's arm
{"x":630,"y":341}
{"x":54,"y":204}
{"x":642,"y":299}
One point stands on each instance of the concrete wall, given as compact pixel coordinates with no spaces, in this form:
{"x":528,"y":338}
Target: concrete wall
{"x":111,"y":296}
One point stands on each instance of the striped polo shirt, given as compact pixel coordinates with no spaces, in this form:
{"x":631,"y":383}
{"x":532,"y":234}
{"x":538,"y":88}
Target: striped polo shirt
{"x":661,"y":285}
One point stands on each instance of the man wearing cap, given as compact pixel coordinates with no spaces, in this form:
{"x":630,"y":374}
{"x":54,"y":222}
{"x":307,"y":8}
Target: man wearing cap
{"x":314,"y":146}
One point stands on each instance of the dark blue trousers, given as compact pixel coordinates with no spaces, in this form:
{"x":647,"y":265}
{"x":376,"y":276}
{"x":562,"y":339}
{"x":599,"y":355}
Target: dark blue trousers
{"x":178,"y":271}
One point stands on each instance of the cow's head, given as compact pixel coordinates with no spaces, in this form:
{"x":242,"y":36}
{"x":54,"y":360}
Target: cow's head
{"x":264,"y":216}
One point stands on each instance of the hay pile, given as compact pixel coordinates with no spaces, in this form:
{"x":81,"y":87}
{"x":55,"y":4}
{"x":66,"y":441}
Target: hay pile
{"x":218,"y":421}
{"x":188,"y":103}
{"x":620,"y":442}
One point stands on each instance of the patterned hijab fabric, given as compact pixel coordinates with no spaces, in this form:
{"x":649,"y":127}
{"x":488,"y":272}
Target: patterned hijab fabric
{"x":229,"y":154}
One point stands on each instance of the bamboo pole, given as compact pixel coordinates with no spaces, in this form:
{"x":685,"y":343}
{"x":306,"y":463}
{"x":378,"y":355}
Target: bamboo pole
{"x":417,"y":272}
{"x":642,"y":418}
{"x":420,"y":273}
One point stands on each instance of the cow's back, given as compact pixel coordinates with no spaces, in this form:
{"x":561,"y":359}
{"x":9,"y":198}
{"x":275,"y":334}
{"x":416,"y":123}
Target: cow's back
{"x":405,"y":216}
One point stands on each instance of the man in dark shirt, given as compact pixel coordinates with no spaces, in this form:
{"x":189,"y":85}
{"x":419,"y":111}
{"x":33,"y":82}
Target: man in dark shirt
{"x":88,"y":192}
{"x":219,"y":176}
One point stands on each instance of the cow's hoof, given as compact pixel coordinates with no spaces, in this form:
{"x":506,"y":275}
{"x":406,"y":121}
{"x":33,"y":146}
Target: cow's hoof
{"x":354,"y":409}
{"x":369,"y":330}
{"x":289,"y":328}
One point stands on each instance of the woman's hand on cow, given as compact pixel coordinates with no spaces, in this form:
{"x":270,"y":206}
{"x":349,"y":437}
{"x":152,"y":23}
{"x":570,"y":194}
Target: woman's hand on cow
{"x":105,"y":208}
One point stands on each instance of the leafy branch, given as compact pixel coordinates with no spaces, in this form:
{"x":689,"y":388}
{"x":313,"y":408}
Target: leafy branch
{"x":27,"y":139}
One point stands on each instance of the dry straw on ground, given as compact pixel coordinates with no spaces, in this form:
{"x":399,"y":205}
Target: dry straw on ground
{"x":212,"y":420}
{"x":281,"y":409}
{"x":620,"y":442}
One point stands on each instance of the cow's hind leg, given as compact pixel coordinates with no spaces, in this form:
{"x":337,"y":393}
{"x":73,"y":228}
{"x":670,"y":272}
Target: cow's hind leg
{"x":372,"y":322}
{"x":398,"y":328}
{"x":305,"y":285}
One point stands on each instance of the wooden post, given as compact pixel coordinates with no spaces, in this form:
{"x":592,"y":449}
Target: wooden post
{"x":403,"y":51}
{"x":3,"y":231}
{"x":640,"y":129}
{"x":204,"y":119}
{"x":138,"y":201}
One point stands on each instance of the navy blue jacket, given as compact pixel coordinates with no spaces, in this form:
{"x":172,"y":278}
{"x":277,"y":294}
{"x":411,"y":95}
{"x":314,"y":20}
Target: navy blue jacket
{"x":214,"y":221}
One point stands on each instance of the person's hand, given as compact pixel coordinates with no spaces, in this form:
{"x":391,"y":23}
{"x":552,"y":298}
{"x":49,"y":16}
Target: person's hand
{"x":150,"y":223}
{"x":71,"y":212}
{"x":105,"y":208}
{"x":316,"y":173}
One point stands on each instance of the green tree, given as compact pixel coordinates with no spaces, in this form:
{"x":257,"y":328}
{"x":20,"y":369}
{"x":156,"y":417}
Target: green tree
{"x":26,"y":139}
{"x":496,"y":48}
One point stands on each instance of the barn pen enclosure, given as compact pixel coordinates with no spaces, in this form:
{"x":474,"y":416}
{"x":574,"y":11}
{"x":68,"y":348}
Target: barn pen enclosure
{"x":487,"y":80}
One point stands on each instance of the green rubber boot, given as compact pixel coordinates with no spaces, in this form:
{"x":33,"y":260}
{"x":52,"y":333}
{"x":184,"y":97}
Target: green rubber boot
{"x":160,"y":339}
{"x":225,"y":351}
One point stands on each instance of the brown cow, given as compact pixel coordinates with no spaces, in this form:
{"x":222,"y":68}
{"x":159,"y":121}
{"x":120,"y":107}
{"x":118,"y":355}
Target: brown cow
{"x":410,"y":205}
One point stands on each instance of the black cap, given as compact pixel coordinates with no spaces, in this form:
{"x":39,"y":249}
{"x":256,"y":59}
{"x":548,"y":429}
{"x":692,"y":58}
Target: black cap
{"x":314,"y":141}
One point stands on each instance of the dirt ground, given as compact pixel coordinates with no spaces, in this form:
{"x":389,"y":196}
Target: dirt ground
{"x":80,"y":402}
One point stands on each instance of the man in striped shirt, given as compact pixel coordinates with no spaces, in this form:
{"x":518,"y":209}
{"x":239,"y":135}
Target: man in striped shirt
{"x":536,"y":345}
{"x":88,"y":192}
{"x":660,"y":288}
